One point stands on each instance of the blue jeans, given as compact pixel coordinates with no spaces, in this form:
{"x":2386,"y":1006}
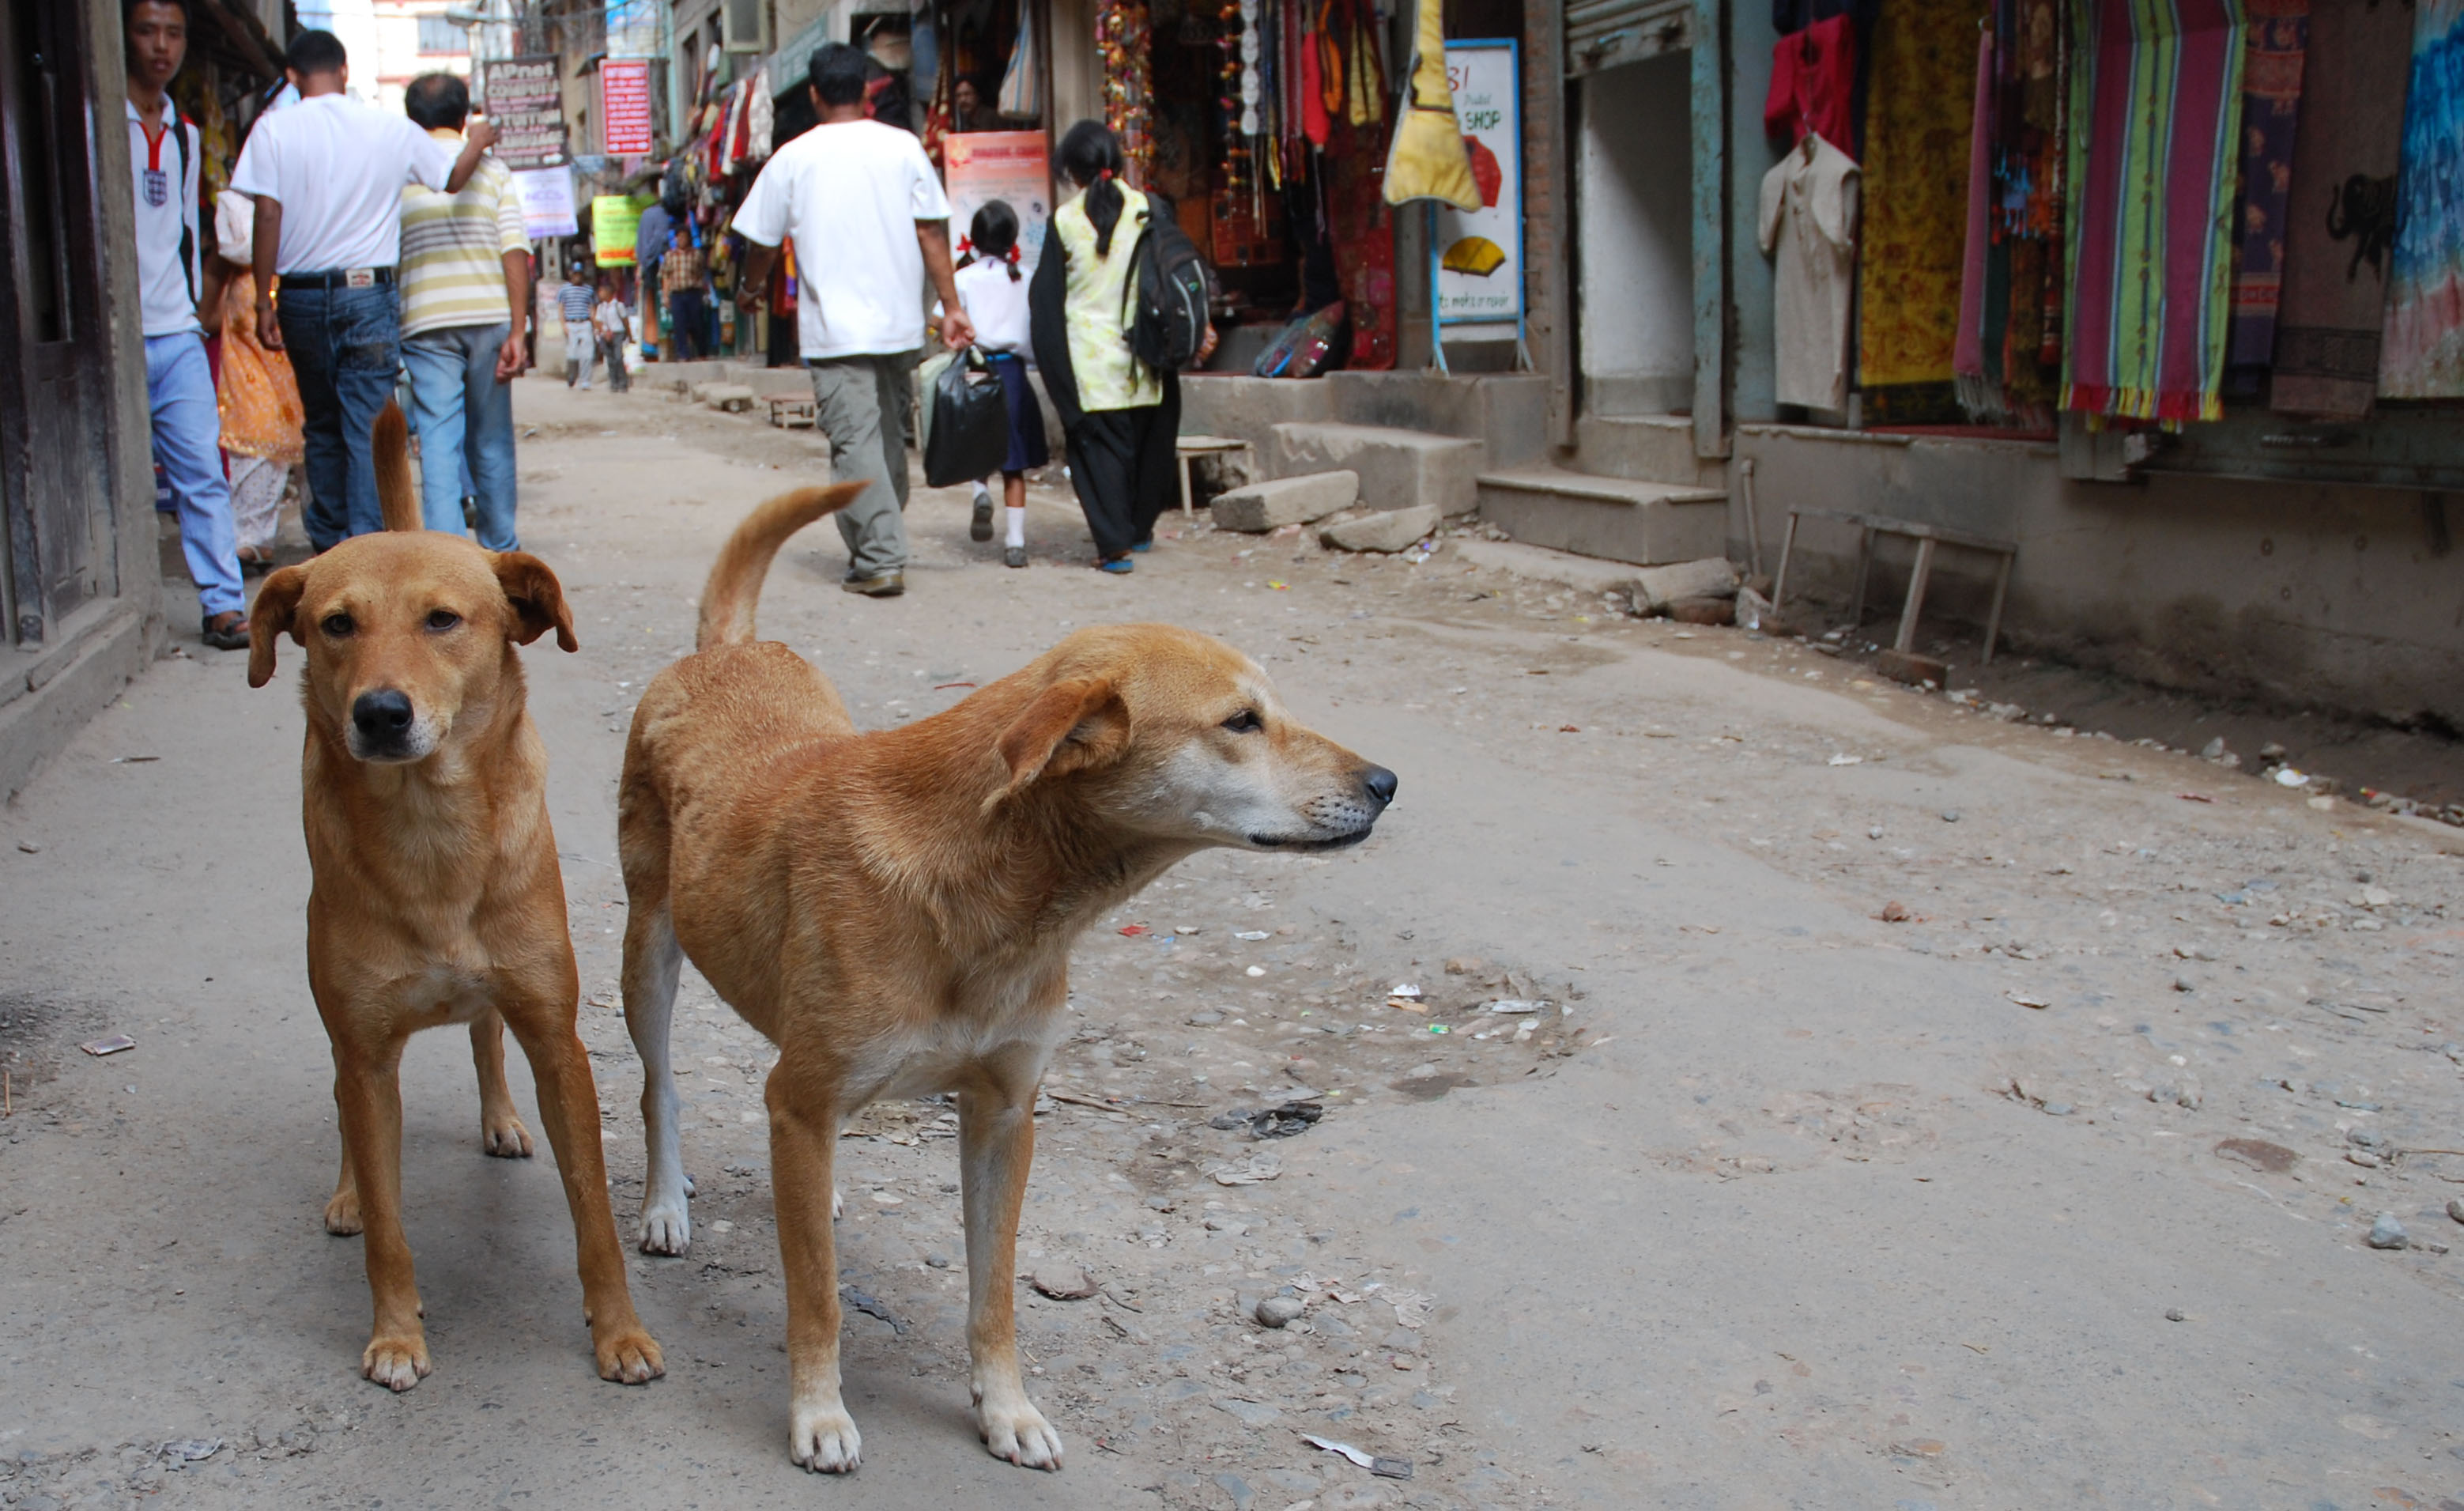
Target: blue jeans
{"x":464,"y":419}
{"x":343,"y":345}
{"x":187,"y":443}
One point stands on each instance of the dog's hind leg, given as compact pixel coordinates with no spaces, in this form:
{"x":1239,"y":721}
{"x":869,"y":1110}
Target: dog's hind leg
{"x":500,"y":1129}
{"x":803,"y":1141}
{"x":996,"y":1146}
{"x":652,"y":960}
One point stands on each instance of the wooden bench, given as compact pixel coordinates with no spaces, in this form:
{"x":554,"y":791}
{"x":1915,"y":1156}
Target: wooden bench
{"x":1187,"y":449}
{"x":1927,"y":537}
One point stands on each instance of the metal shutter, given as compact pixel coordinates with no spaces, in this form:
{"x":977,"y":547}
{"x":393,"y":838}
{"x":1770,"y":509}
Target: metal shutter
{"x":1602,"y":33}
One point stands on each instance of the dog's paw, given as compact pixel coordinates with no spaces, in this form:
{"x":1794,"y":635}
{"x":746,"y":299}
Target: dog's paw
{"x":396,"y":1362}
{"x":342,"y":1215}
{"x":666,"y":1228}
{"x":630,"y":1356}
{"x":1013,"y":1428}
{"x":838,"y":1208}
{"x":824,"y":1439}
{"x":506,"y":1139}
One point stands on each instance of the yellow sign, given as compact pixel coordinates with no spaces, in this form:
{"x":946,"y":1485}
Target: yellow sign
{"x":614,"y":218}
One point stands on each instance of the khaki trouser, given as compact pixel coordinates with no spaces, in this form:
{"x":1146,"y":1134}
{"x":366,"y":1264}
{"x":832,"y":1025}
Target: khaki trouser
{"x":860,"y":403}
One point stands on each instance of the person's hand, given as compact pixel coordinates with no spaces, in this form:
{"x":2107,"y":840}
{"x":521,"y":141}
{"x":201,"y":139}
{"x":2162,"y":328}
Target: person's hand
{"x":510,"y":358}
{"x":482,"y":131}
{"x":210,"y":316}
{"x":269,"y":327}
{"x":1207,"y":348}
{"x":958,"y":332}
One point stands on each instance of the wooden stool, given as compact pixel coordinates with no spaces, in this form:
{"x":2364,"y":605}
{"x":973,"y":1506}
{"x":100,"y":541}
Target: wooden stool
{"x":792,"y":413}
{"x":1927,"y":537}
{"x":1187,"y":449}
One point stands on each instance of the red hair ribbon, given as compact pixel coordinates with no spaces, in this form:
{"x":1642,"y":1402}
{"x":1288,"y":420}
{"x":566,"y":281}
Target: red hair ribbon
{"x":1011,"y":256}
{"x":965,"y":246}
{"x":1103,"y":176}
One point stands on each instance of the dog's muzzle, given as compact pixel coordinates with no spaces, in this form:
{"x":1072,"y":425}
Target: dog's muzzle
{"x":382,"y":725}
{"x":1340,"y":821}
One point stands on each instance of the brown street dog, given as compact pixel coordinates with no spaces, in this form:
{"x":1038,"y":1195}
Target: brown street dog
{"x":894,"y":910}
{"x":436,"y":896}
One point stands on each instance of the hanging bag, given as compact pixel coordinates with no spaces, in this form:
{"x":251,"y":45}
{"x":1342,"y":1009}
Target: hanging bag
{"x":968,"y":436}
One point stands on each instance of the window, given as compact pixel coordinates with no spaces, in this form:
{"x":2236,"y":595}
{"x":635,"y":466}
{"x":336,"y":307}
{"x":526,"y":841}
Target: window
{"x":437,"y":34}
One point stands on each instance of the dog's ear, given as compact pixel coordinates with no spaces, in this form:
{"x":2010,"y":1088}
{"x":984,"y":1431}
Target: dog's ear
{"x":1071,"y":726}
{"x":274,"y":613}
{"x":538,"y":599}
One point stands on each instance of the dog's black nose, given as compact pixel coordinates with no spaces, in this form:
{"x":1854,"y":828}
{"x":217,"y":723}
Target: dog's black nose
{"x":1380,"y":784}
{"x":381,"y":717}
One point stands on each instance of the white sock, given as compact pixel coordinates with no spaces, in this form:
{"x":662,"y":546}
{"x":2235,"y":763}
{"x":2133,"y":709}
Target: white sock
{"x":983,"y":493}
{"x":1017,"y":528}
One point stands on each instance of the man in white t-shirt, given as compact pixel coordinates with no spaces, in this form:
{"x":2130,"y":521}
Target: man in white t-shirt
{"x":869,"y":221}
{"x":327,"y":176}
{"x":174,"y":284}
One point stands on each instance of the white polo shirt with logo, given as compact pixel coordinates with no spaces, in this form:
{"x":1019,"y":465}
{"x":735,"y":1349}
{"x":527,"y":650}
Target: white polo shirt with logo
{"x":165,"y":181}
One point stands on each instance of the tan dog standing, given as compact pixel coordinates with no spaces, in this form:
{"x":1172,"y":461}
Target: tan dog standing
{"x":894,"y":910}
{"x":437,"y":897}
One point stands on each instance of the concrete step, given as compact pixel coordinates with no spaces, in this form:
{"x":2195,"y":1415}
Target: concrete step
{"x":1398,"y":469}
{"x":1616,"y":519}
{"x":1646,"y":448}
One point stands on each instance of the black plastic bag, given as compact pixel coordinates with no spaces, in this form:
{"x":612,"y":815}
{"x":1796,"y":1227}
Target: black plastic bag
{"x":968,"y":434}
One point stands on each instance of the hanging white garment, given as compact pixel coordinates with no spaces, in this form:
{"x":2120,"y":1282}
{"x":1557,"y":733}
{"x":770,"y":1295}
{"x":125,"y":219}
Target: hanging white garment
{"x":1021,"y":90}
{"x":1808,"y":227}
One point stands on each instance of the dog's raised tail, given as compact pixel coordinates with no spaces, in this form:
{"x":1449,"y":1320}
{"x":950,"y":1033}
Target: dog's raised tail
{"x":391,"y":443}
{"x":734,"y":585}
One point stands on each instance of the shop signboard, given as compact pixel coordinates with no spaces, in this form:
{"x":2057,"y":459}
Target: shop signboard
{"x":526,"y":101}
{"x":1010,"y":165}
{"x":547,"y":202}
{"x":1479,"y":251}
{"x":624,"y":106}
{"x":615,"y":220}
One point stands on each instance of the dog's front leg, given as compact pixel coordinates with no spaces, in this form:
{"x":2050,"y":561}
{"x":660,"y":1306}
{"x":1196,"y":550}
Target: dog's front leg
{"x":367,"y":1093}
{"x":804,"y":1140}
{"x":996,"y":1146}
{"x":652,"y":960}
{"x":569,"y":1106}
{"x":500,"y":1128}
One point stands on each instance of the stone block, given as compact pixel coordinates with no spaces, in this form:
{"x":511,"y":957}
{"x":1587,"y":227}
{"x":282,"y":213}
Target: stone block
{"x":1702,"y":610}
{"x":1397,"y":468}
{"x":1272,"y":505}
{"x":1907,"y":666}
{"x":735,"y":398}
{"x":1658,"y":587}
{"x":1393,"y":530}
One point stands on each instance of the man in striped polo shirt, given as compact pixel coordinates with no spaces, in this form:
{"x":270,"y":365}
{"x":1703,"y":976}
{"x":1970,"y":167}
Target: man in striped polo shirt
{"x":466,"y":281}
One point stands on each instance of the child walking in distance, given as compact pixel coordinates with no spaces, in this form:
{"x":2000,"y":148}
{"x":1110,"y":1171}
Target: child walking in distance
{"x":1114,"y":407}
{"x":996,"y":298}
{"x":574,"y":303}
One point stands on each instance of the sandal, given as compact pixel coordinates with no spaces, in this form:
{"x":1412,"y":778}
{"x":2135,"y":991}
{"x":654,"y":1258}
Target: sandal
{"x":256,"y":561}
{"x":227,"y":631}
{"x":1119,"y":565}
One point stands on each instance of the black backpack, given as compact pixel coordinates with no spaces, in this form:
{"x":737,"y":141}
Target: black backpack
{"x":1170,"y":287}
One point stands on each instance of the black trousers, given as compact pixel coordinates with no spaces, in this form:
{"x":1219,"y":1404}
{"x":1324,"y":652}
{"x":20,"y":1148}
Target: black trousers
{"x":1121,"y":462}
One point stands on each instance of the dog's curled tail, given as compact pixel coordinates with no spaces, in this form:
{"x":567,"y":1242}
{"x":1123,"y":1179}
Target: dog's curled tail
{"x":391,"y":443}
{"x":734,"y":585}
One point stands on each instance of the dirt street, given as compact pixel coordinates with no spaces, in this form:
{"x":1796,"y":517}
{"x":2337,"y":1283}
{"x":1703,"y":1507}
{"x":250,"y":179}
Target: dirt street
{"x":1918,"y":1109}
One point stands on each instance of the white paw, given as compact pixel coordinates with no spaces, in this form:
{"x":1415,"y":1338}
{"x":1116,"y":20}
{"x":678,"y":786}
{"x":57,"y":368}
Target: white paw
{"x":666,"y":1228}
{"x":1013,"y":1428}
{"x":838,"y":1208}
{"x":824,"y":1439}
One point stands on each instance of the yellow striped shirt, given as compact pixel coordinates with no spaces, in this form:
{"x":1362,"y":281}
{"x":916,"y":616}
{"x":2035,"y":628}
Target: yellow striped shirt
{"x":452,"y":269}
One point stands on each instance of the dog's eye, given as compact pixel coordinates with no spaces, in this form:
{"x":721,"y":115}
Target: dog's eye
{"x":1245,"y":722}
{"x":338,"y":625}
{"x":443,"y":618}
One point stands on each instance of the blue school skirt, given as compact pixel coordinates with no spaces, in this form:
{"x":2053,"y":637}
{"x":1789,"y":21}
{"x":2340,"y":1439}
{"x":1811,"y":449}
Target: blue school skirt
{"x":1026,"y":447}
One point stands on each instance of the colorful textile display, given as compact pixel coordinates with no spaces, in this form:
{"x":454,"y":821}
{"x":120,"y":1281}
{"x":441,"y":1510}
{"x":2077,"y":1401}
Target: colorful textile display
{"x":1979,"y":393}
{"x":2155,"y":128}
{"x":2343,"y":212}
{"x":2424,"y":354}
{"x":2008,"y":353}
{"x":1814,"y":83}
{"x":1917,"y":121}
{"x":2271,"y":105}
